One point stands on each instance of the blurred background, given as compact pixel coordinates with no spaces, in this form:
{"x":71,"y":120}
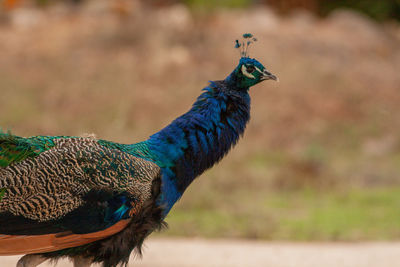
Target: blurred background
{"x":320,"y":160}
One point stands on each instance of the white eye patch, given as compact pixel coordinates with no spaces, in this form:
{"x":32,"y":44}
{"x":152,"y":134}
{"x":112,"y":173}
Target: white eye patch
{"x":245,"y":73}
{"x":249,"y":75}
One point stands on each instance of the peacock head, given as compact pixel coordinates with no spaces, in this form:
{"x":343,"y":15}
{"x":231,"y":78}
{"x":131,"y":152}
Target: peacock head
{"x":250,"y":71}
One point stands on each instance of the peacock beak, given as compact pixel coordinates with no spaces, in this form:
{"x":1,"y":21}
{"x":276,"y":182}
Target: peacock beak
{"x":266,"y":75}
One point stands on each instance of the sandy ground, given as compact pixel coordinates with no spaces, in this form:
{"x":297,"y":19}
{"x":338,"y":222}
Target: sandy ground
{"x":221,"y":253}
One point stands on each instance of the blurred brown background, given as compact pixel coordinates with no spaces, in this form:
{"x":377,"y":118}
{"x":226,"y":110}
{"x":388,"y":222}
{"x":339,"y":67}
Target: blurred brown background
{"x":320,"y":159}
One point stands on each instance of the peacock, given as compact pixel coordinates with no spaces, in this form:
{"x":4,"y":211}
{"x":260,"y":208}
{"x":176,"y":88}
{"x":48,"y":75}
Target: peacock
{"x":95,"y":201}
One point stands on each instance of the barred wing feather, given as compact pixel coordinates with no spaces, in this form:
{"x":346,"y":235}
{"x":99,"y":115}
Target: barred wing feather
{"x":53,"y":188}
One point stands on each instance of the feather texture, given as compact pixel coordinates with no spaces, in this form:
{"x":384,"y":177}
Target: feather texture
{"x":54,"y":182}
{"x":199,"y":138}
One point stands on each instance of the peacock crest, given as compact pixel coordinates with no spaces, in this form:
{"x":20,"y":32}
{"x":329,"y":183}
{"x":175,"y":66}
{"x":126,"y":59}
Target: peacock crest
{"x":244,"y":44}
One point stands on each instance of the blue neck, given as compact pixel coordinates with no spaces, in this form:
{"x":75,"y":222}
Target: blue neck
{"x":199,"y":138}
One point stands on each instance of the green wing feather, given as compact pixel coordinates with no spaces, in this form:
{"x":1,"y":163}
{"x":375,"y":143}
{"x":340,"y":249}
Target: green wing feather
{"x":15,"y":149}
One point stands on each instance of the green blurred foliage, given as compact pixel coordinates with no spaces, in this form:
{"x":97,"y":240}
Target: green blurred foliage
{"x":210,"y":4}
{"x":380,"y":10}
{"x":301,"y":215}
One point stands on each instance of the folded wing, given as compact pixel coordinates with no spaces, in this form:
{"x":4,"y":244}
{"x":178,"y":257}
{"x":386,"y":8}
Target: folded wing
{"x":63,"y":192}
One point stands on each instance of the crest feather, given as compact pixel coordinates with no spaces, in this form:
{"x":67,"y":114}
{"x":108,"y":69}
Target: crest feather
{"x":244,"y":44}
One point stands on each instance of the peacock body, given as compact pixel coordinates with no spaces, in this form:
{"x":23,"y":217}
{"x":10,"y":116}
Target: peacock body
{"x":95,"y":200}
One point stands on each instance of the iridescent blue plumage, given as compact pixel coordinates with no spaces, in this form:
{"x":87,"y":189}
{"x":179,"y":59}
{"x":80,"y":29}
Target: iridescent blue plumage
{"x":198,"y":139}
{"x":201,"y":137}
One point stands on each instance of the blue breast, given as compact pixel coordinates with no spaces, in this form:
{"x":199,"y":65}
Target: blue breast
{"x":199,"y":138}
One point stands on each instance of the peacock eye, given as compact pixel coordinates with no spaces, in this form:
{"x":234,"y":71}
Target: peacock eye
{"x":250,"y":69}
